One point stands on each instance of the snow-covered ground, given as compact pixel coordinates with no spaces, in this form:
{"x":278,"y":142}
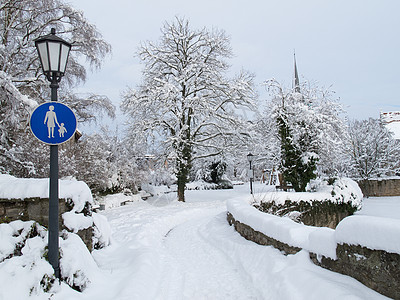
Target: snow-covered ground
{"x":163,"y":249}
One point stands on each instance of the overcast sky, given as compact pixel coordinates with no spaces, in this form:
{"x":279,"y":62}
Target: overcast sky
{"x":351,"y":45}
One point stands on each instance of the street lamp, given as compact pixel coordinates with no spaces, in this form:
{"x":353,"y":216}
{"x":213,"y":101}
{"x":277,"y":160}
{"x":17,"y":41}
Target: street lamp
{"x":53,"y":53}
{"x":250,"y":158}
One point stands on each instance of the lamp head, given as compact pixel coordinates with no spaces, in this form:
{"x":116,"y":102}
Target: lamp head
{"x":53,"y":53}
{"x":250,"y":157}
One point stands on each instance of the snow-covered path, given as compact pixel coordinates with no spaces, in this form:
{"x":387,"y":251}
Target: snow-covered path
{"x":200,"y":269}
{"x":180,"y":262}
{"x":188,"y":251}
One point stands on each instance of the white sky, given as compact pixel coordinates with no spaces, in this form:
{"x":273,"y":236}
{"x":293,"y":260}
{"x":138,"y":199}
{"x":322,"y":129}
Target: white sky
{"x":351,"y":45}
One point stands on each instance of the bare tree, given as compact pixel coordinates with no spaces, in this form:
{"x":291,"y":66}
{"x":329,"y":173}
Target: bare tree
{"x":186,"y":100}
{"x":22,"y":83}
{"x":372,"y":149}
{"x":22,"y":21}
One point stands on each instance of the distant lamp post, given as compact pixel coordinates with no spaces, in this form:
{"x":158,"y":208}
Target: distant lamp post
{"x":53,"y":53}
{"x":250,"y":158}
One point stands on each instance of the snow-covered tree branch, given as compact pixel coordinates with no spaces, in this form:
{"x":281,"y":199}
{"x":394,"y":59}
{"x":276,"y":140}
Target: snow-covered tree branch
{"x":23,"y":85}
{"x":186,"y":98}
{"x":372,"y":149}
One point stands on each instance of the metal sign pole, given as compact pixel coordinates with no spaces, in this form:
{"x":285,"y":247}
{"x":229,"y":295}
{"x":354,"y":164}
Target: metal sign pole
{"x":53,"y":198}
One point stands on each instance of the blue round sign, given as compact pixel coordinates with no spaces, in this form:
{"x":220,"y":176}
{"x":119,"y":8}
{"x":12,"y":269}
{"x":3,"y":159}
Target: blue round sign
{"x":53,"y":123}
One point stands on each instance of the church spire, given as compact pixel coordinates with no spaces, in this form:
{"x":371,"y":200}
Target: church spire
{"x":296,"y":76}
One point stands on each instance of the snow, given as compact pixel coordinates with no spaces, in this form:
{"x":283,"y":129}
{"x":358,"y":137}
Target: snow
{"x":315,"y":239}
{"x":9,"y":237}
{"x":344,"y":190}
{"x":76,"y":222}
{"x":21,"y":188}
{"x":76,"y":263}
{"x":394,"y":128}
{"x":388,"y":207}
{"x":116,"y":200}
{"x":375,"y":226}
{"x":102,"y":230}
{"x":165,"y":249}
{"x":375,"y":233}
{"x":391,"y":120}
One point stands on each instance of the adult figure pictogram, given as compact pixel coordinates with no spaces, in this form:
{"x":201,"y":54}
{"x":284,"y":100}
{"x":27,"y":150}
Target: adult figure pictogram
{"x":51,"y":119}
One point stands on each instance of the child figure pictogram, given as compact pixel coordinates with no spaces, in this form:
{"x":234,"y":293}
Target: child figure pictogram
{"x":62,"y":130}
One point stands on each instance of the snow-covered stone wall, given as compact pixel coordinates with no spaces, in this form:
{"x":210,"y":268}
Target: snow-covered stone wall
{"x":363,"y":247}
{"x":27,"y":199}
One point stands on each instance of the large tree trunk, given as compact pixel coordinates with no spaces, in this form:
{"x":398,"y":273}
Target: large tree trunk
{"x":184,"y":166}
{"x":183,"y":172}
{"x":181,"y":189}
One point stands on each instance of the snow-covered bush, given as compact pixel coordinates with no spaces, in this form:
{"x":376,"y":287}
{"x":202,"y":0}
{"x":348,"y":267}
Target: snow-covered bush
{"x":202,"y":185}
{"x":162,"y":176}
{"x":214,"y":172}
{"x":77,"y":266}
{"x":326,"y":203}
{"x":24,"y":264}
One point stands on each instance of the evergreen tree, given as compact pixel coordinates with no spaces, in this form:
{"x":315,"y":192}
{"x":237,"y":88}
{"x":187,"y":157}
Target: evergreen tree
{"x":305,"y":123}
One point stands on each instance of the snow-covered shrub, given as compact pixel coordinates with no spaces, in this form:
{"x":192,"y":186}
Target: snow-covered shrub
{"x":101,"y":231}
{"x":24,"y":265}
{"x":77,"y":266}
{"x":202,"y":185}
{"x":324,"y":205}
{"x":214,"y":172}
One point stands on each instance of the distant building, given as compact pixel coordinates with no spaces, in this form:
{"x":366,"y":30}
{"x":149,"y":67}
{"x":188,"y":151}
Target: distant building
{"x":391,"y":120}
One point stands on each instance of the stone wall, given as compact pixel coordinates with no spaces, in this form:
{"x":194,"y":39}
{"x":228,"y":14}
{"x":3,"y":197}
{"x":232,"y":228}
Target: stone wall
{"x":37,"y":209}
{"x":258,"y":237}
{"x":380,"y":188}
{"x":379,"y":270}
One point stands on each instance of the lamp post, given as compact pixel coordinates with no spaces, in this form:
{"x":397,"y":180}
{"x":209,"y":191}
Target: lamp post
{"x":250,"y":158}
{"x":53,"y":53}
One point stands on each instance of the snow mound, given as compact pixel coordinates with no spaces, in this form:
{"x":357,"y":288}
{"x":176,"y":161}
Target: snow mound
{"x":80,"y":217}
{"x":77,"y":266}
{"x":201,"y":185}
{"x":319,"y":240}
{"x":376,"y":233}
{"x":116,"y":200}
{"x":24,"y":267}
{"x":21,"y":188}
